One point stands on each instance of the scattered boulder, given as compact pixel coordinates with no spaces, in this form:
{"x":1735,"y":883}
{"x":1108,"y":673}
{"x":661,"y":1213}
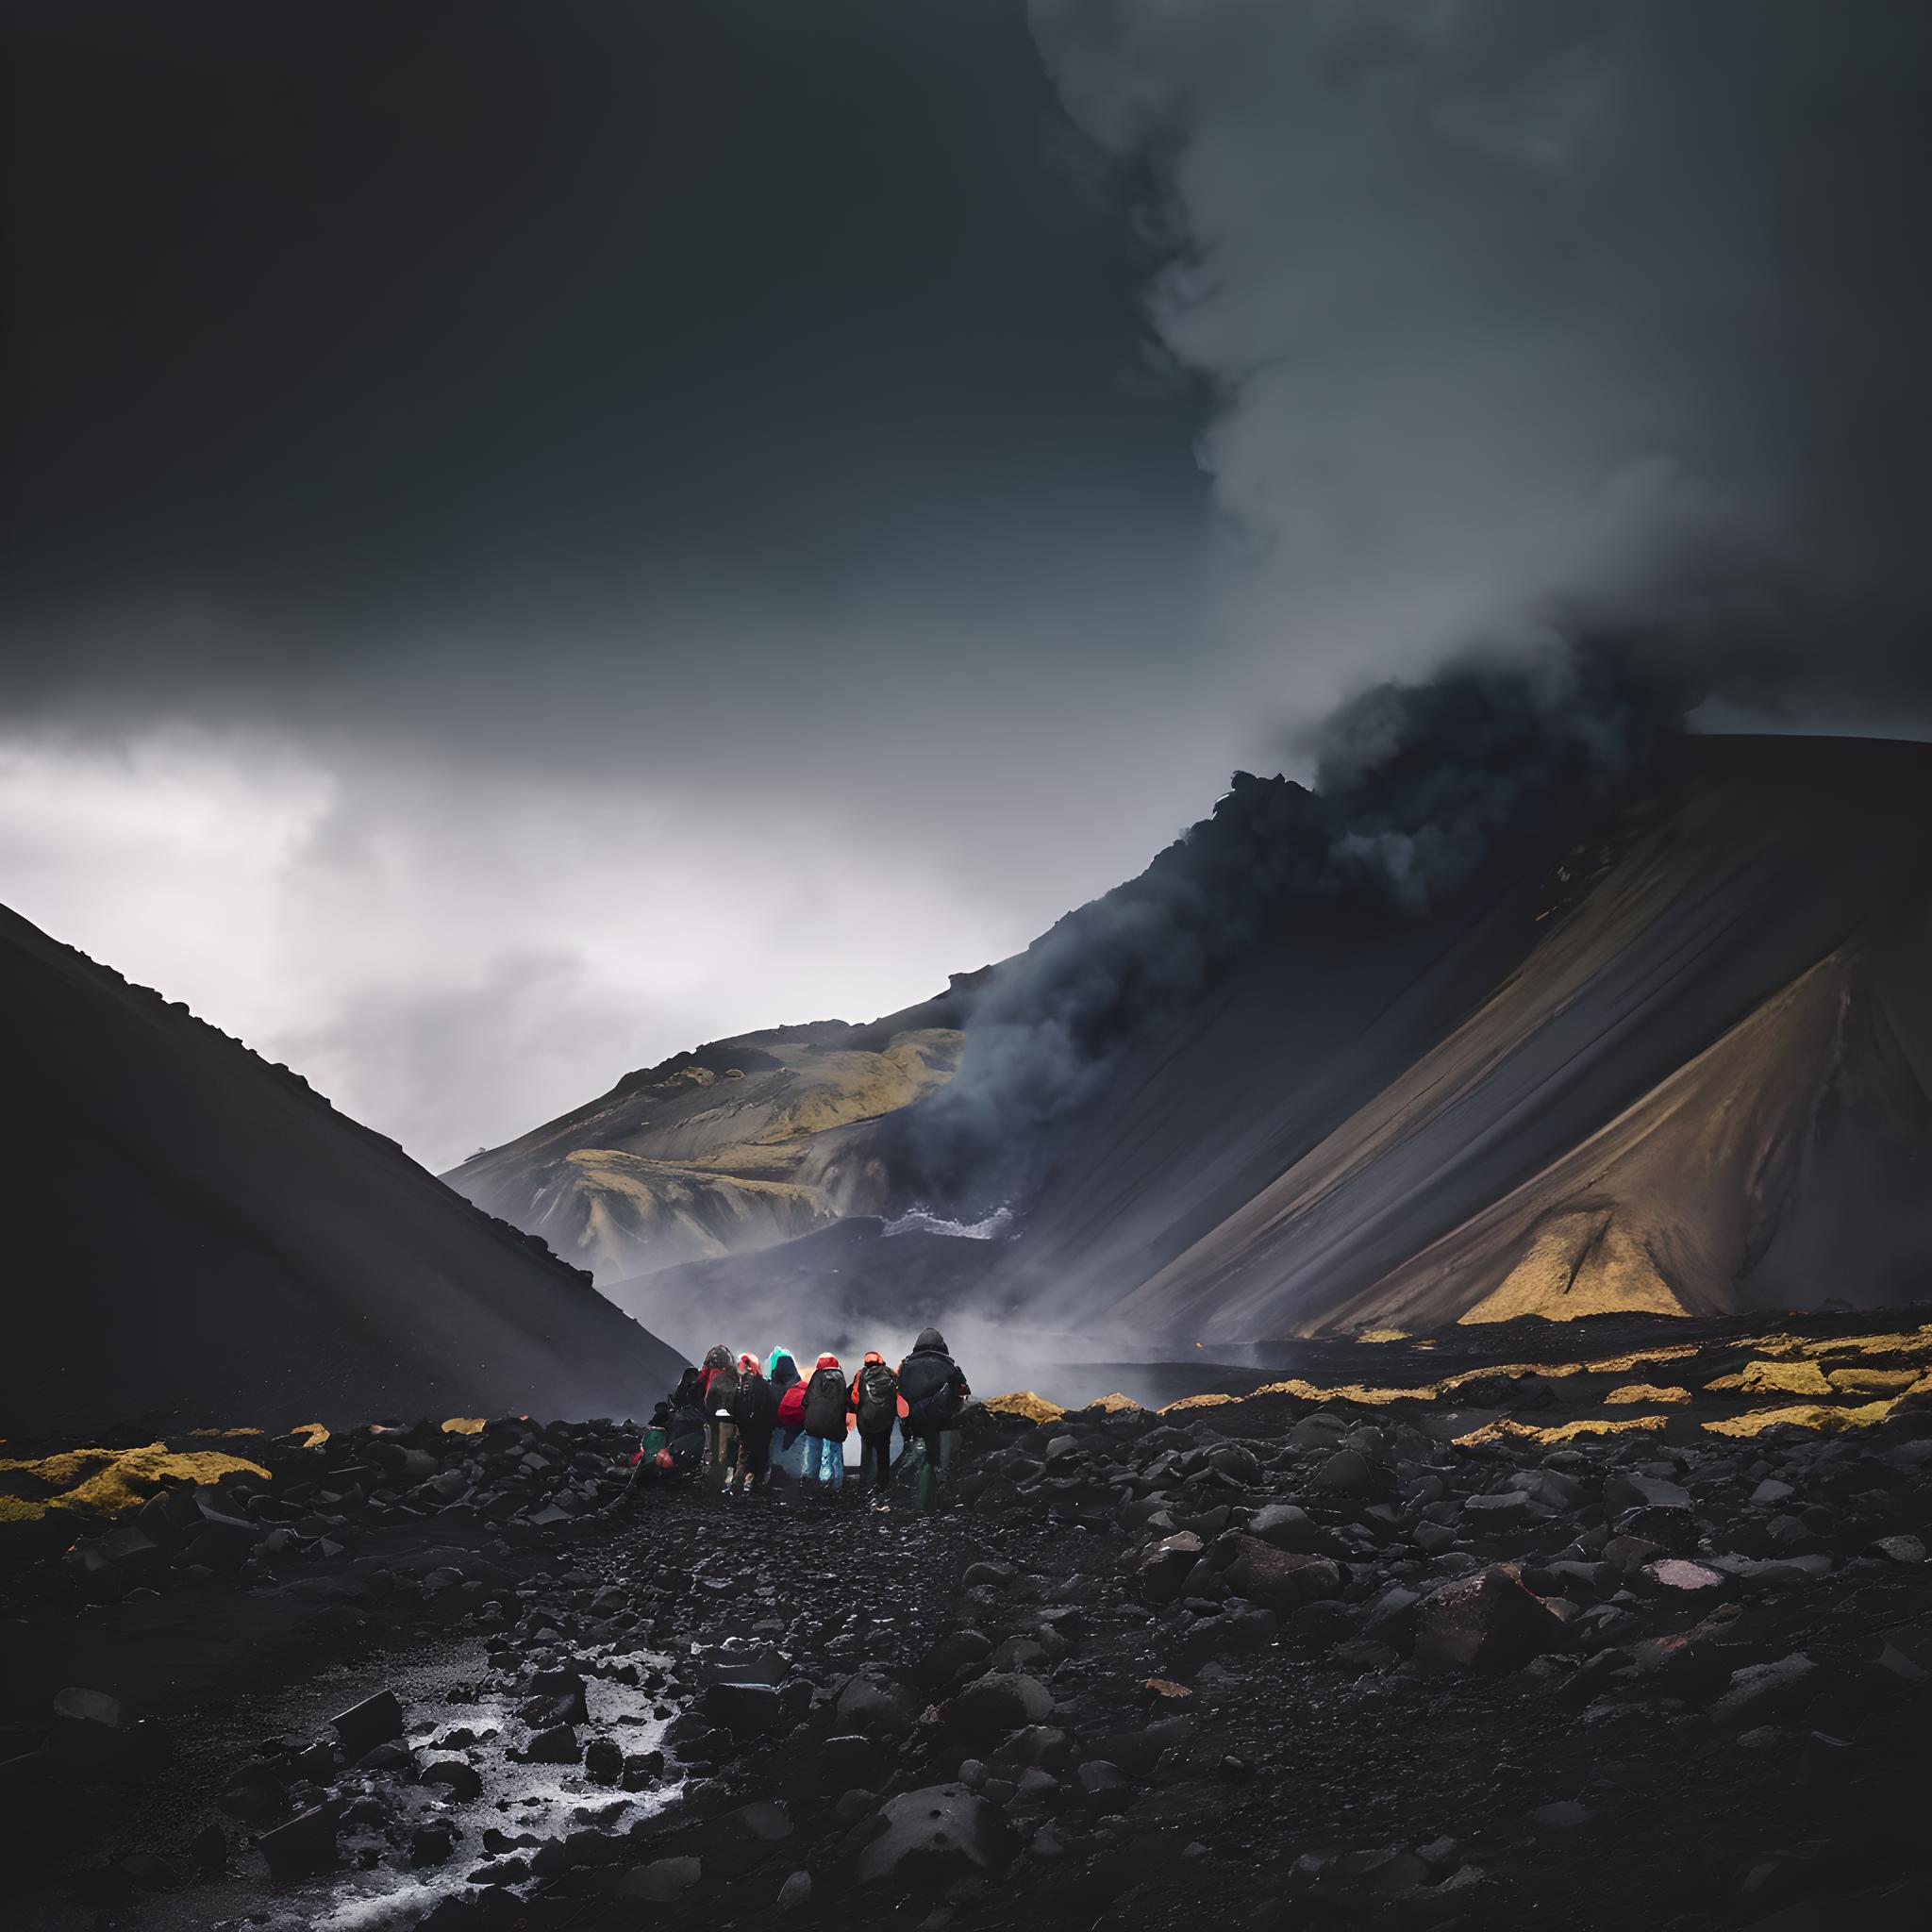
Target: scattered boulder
{"x":1000,"y":1702}
{"x":305,"y":1845}
{"x":373,"y":1721}
{"x":1488,"y":1621}
{"x":934,"y":1834}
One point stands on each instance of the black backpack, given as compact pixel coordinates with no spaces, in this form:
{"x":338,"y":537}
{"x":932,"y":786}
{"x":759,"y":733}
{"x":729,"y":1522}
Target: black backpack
{"x":926,"y":1379}
{"x":722,"y":1392}
{"x":825,"y":1404}
{"x":878,"y":1399}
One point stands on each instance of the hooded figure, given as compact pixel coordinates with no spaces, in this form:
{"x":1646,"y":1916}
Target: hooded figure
{"x":932,"y":1391}
{"x":789,"y":1437}
{"x":875,"y":1408}
{"x":686,"y":1436}
{"x":754,"y":1409}
{"x":825,"y":1419}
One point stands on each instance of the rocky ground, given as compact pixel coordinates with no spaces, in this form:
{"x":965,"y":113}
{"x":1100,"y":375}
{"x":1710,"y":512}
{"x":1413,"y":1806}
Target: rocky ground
{"x":1294,"y":1659}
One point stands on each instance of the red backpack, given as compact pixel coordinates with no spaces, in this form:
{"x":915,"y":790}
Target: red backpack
{"x":792,"y":1407}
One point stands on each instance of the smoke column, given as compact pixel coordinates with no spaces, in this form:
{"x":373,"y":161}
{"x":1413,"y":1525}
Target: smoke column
{"x":1612,"y":307}
{"x":1576,"y":348}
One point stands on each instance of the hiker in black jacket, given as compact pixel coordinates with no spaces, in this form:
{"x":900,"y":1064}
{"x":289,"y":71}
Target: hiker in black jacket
{"x":689,"y":1426}
{"x":933,"y":1391}
{"x":720,"y":1387}
{"x":755,"y":1412}
{"x":825,"y":1419}
{"x":874,"y":1409}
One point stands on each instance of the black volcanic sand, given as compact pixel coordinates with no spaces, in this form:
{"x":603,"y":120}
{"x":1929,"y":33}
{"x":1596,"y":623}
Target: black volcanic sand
{"x":1404,"y":1682}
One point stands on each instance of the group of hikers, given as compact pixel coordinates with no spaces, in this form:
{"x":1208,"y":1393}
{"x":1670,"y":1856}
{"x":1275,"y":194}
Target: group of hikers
{"x":743,"y":1424}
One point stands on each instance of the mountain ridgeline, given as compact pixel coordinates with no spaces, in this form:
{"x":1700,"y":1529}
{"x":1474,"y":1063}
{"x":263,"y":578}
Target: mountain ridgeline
{"x":1600,"y":1020}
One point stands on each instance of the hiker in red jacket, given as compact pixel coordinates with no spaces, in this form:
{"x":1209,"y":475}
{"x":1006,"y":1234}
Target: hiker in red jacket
{"x":789,"y":1438}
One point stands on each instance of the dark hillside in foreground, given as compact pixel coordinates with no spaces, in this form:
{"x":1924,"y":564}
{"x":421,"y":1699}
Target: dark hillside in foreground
{"x":195,"y":1235}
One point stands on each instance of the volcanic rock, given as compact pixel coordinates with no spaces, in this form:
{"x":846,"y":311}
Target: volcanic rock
{"x":305,"y":1845}
{"x":933,"y":1833}
{"x":1488,"y":1621}
{"x":991,"y":1706}
{"x":373,"y":1721}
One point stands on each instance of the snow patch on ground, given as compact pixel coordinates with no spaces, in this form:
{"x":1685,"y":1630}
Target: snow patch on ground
{"x":923,"y":1221}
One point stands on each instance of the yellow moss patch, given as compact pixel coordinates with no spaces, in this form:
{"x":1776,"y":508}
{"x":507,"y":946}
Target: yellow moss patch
{"x":224,"y":1432}
{"x":313,"y":1433}
{"x":1643,"y":1357}
{"x":1804,"y":1415}
{"x":1582,"y":1264}
{"x":1647,"y":1392}
{"x":1913,"y":1342}
{"x":1115,"y":1404}
{"x":1383,"y":1335}
{"x":1872,"y":1381}
{"x":1022,"y":1402}
{"x":1195,"y":1402}
{"x":1505,"y":1429}
{"x":108,"y":1481}
{"x":1774,"y":1378}
{"x":1347,"y":1392}
{"x":463,"y":1426}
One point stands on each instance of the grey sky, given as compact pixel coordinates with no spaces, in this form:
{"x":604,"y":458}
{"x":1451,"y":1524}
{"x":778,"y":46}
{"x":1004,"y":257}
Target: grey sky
{"x":537,"y":536}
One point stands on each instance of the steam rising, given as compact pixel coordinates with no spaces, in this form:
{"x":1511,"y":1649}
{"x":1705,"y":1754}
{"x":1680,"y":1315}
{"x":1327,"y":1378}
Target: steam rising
{"x":1415,"y":785}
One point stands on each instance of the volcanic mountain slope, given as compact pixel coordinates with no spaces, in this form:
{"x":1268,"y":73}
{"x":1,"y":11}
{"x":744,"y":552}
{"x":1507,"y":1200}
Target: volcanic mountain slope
{"x":739,"y":1144}
{"x":1680,"y":1067}
{"x":1697,"y":1082}
{"x":196,"y":1236}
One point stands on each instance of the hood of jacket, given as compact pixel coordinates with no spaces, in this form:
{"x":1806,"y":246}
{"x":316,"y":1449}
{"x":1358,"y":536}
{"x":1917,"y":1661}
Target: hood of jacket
{"x":776,"y":1355}
{"x":784,"y":1371}
{"x":872,"y":1355}
{"x":930,"y":1342}
{"x":828,"y":1360}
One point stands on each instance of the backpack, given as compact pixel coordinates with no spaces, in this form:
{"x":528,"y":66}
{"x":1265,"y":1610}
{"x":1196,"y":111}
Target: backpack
{"x":878,"y":1399}
{"x":792,"y":1406}
{"x":926,"y":1379}
{"x":824,"y":1404}
{"x":755,"y":1409}
{"x":721,"y":1390}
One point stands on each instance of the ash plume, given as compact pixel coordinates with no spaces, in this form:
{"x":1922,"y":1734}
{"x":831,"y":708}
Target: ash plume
{"x":1415,"y":785}
{"x":1594,"y":331}
{"x":1604,"y":305}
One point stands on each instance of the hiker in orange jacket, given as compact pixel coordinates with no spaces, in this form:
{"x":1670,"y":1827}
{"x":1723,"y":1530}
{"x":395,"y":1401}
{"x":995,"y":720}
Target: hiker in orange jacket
{"x":876,"y":1406}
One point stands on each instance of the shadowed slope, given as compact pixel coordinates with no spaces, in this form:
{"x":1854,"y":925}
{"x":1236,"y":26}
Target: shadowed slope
{"x":195,"y":1235}
{"x":1778,"y":887}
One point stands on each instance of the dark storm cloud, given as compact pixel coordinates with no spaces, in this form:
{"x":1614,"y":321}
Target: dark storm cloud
{"x":341,"y":318}
{"x":568,"y":513}
{"x":1615,"y":305}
